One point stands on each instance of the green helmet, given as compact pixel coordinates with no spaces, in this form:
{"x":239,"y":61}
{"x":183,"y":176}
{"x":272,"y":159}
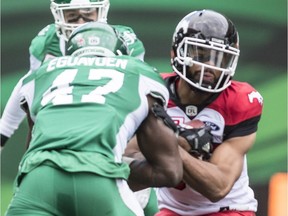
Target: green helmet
{"x":58,"y":8}
{"x":95,"y":39}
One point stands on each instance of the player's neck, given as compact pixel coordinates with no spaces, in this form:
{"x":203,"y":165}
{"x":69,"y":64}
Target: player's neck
{"x":188,"y":96}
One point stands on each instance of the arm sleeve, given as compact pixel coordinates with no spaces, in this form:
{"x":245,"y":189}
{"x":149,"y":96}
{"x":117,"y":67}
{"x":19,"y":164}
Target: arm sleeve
{"x":13,"y":115}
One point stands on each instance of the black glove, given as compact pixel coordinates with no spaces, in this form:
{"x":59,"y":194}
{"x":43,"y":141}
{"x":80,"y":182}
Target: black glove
{"x":159,"y":112}
{"x":200,"y":140}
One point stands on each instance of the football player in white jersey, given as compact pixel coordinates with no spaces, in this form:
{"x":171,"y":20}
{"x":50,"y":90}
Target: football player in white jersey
{"x":204,"y":55}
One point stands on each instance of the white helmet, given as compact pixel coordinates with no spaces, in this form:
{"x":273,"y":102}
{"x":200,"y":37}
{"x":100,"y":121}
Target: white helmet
{"x":58,"y":7}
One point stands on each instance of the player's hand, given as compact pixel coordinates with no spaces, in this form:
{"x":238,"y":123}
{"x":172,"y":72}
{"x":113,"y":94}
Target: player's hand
{"x":199,"y":139}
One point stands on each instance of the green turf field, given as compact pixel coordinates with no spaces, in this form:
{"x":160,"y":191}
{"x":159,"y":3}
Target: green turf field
{"x":6,"y":195}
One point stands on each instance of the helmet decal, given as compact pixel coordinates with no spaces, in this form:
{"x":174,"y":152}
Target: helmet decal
{"x":93,"y":40}
{"x":79,"y":40}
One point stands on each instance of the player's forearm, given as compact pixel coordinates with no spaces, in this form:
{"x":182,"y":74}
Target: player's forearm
{"x":10,"y":121}
{"x":13,"y":115}
{"x":205,"y":177}
{"x":142,"y":173}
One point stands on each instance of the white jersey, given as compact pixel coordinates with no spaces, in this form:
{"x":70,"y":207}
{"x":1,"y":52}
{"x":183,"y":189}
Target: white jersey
{"x":225,"y":116}
{"x":186,"y":201}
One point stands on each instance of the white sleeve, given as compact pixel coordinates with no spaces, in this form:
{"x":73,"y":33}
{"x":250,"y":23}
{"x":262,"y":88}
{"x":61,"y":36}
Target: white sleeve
{"x":13,"y":115}
{"x":34,"y":63}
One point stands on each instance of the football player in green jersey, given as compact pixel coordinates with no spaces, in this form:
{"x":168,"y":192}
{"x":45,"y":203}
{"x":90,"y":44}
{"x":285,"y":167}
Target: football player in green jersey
{"x":85,"y":108}
{"x":69,"y":14}
{"x":51,"y":42}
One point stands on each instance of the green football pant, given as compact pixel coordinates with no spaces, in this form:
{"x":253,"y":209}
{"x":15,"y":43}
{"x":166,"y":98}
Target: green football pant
{"x":48,"y":191}
{"x":152,"y":206}
{"x":148,"y":201}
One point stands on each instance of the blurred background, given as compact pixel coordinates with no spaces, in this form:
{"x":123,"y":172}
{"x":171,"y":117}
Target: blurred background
{"x":262,"y":26}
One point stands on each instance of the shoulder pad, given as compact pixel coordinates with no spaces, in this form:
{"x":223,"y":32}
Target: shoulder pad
{"x":239,"y":102}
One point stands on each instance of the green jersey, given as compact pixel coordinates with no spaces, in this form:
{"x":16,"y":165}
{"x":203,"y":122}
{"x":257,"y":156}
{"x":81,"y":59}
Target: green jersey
{"x":86,"y":110}
{"x":47,"y":45}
